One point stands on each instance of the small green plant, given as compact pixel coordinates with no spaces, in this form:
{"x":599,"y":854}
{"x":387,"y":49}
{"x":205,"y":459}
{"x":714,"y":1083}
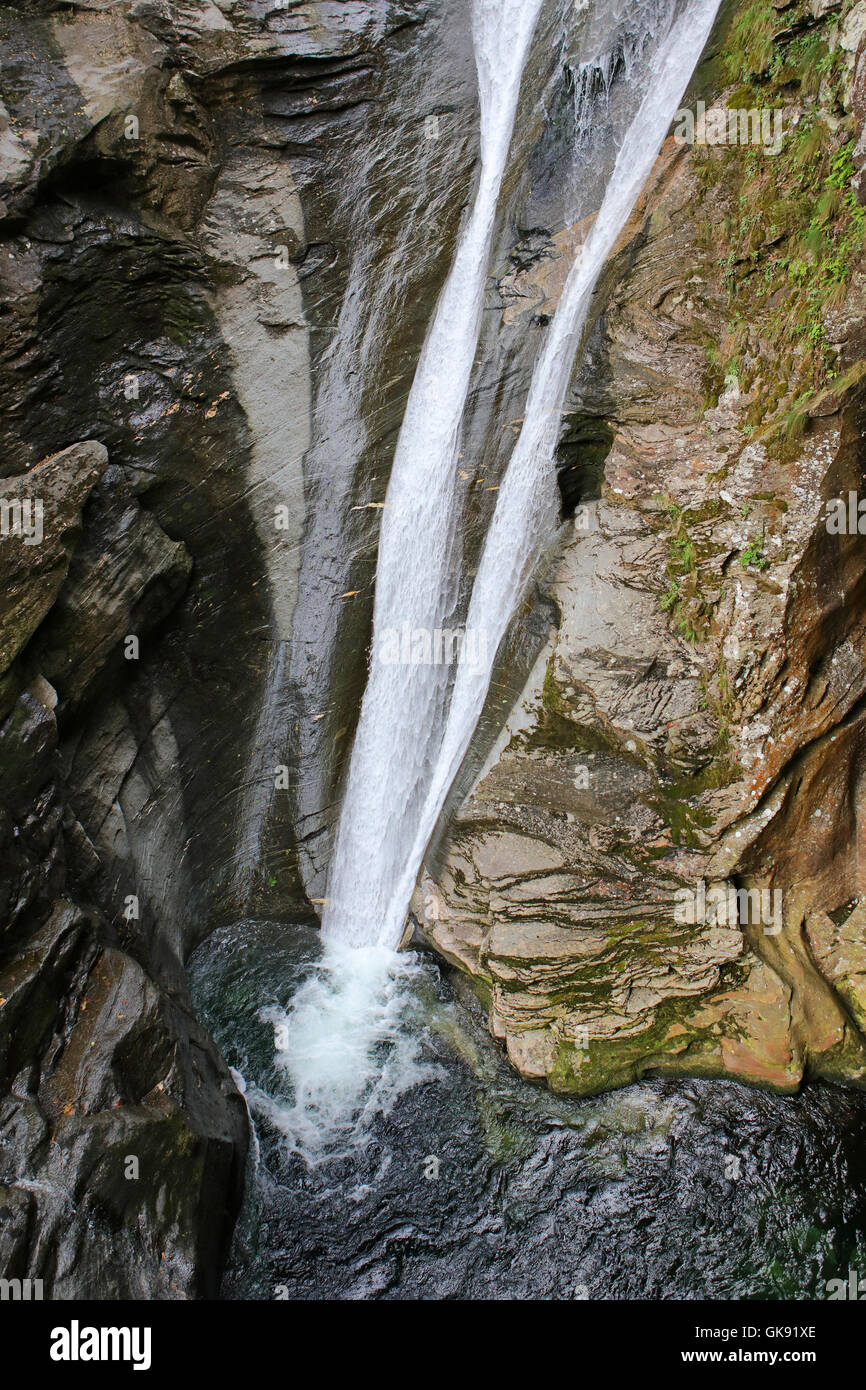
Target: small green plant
{"x":753,"y":555}
{"x":670,"y":598}
{"x":683,"y":553}
{"x":683,"y":599}
{"x":750,"y":46}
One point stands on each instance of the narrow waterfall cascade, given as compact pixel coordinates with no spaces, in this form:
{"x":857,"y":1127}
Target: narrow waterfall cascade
{"x":527,"y":507}
{"x":340,"y":1042}
{"x":433,"y":666}
{"x":331,"y":1039}
{"x":616,"y":44}
{"x":391,"y":757}
{"x":409,"y":743}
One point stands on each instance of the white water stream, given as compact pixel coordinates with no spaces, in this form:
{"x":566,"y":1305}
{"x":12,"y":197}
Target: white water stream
{"x":528,"y":504}
{"x":418,"y":567}
{"x":402,"y":766}
{"x":411,"y":739}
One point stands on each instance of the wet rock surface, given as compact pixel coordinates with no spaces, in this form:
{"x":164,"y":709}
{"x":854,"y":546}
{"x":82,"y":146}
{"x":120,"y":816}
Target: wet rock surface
{"x":223,"y":227}
{"x":692,"y":730}
{"x":194,"y":200}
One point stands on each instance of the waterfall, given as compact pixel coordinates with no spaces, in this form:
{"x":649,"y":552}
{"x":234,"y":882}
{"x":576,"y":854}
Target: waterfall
{"x":418,"y":548}
{"x":402,"y":767}
{"x":527,"y":508}
{"x":341,"y":1043}
{"x":615,"y":45}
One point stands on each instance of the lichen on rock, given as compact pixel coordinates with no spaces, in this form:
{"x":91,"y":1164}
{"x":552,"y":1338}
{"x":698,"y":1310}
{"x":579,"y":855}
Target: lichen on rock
{"x":698,"y":718}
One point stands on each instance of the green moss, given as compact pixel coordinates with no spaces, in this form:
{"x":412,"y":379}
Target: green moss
{"x":792,"y":232}
{"x":671,"y":1044}
{"x":684,"y":598}
{"x":684,"y":821}
{"x":844,"y":1062}
{"x":555,"y":728}
{"x":749,"y":50}
{"x":678,"y":801}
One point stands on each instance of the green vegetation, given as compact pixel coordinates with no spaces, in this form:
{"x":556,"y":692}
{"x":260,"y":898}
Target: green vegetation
{"x":754,"y":555}
{"x":683,"y":598}
{"x":750,"y":44}
{"x":791,"y":231}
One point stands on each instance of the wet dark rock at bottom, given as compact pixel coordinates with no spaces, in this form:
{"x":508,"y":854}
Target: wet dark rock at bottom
{"x":660,"y":1191}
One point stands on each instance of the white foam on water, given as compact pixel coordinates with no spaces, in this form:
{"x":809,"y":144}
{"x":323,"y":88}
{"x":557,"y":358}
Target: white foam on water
{"x":345,"y":1048}
{"x":343,"y":1044}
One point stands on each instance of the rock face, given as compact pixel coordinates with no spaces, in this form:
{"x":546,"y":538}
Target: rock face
{"x":656,"y":869}
{"x":223,"y":228}
{"x":203,"y":209}
{"x":121,"y":1133}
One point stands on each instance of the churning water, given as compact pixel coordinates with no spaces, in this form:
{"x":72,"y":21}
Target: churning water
{"x":459,"y":1180}
{"x":396,"y":1154}
{"x":415,"y":727}
{"x":344,"y":1049}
